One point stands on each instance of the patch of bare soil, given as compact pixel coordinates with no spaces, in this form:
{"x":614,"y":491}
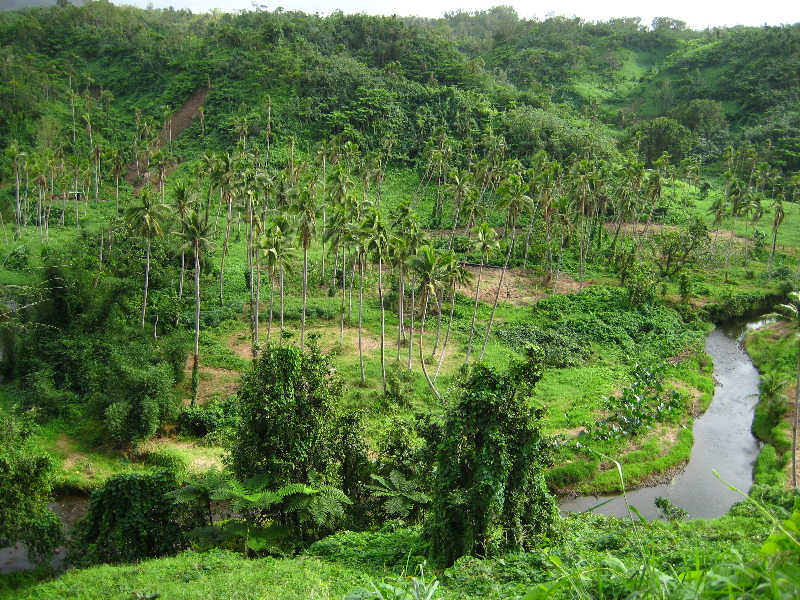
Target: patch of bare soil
{"x":65,"y":447}
{"x":519,"y":287}
{"x":179,"y":120}
{"x":241,"y":345}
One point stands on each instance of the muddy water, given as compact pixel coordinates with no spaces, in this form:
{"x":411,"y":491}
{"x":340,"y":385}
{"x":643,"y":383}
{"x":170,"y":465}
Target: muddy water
{"x":722,"y":441}
{"x":69,"y":509}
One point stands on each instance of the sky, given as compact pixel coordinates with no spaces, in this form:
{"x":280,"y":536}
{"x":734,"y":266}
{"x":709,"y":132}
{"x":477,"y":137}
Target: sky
{"x":698,"y":14}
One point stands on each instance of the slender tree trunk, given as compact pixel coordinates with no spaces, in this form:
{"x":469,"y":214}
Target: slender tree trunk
{"x":474,"y":312}
{"x":280,"y":283}
{"x":439,"y":303}
{"x":528,"y":236}
{"x":360,"y":313}
{"x":383,"y":324}
{"x":447,"y":332}
{"x":411,"y":330}
{"x":772,"y":247}
{"x":196,"y":356}
{"x":400,"y":311}
{"x":224,"y":252}
{"x":146,"y":280}
{"x":795,"y":423}
{"x":421,"y":354}
{"x":271,"y":304}
{"x":257,"y":305}
{"x":322,"y":239}
{"x":305,"y":290}
{"x":344,"y":297}
{"x":183,"y":272}
{"x":499,"y":287}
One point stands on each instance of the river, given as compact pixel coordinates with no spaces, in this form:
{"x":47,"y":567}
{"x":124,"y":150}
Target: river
{"x":722,"y":441}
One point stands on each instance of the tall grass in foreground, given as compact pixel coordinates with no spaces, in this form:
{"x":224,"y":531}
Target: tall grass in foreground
{"x":774,"y":574}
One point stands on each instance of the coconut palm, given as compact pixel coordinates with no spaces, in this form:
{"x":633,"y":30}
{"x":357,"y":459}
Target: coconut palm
{"x":306,"y":209}
{"x":486,"y":244}
{"x":278,"y":251}
{"x":426,"y":265}
{"x":454,"y":275}
{"x":183,"y":204}
{"x":790,"y":313}
{"x":460,"y":187}
{"x":194,"y":234}
{"x":146,"y":217}
{"x":377,"y":246}
{"x":778,"y":215}
{"x":514,"y":200}
{"x":404,"y":244}
{"x":117,"y":166}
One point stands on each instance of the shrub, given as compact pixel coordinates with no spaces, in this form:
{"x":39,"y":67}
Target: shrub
{"x":130,"y":518}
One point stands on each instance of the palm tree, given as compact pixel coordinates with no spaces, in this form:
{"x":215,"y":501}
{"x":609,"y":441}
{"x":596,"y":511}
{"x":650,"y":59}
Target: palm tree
{"x":486,"y":244}
{"x":778,"y":215}
{"x":223,"y":177}
{"x":194,"y":234}
{"x":514,"y":200}
{"x":277,"y":247}
{"x":378,"y":249}
{"x":460,"y":188}
{"x":306,"y":209}
{"x":404,"y":244}
{"x":357,"y":237}
{"x":117,"y":166}
{"x":183,"y":204}
{"x":454,"y":274}
{"x":790,"y":313}
{"x":147,"y":218}
{"x":426,"y":264}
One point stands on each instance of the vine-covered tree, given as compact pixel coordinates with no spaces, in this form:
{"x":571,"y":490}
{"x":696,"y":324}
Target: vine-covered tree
{"x":489,"y":493}
{"x":24,"y":490}
{"x":286,"y":405}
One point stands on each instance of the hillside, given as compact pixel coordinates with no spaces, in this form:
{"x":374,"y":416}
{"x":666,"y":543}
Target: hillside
{"x":354,"y":292}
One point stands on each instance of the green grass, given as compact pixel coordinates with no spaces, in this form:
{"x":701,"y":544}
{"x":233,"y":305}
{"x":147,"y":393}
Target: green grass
{"x":209,"y":575}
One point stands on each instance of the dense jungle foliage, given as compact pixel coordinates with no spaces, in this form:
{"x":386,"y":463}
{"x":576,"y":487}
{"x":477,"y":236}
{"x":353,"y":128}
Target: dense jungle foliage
{"x":345,"y":301}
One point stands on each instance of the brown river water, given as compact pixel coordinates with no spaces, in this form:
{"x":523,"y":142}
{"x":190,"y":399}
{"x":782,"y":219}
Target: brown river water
{"x":723,"y":441}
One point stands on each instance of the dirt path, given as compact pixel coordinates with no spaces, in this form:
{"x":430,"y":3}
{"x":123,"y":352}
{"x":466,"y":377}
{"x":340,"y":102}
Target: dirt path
{"x":179,"y":120}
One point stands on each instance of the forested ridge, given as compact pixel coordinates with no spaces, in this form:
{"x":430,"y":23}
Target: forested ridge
{"x":345,"y":294}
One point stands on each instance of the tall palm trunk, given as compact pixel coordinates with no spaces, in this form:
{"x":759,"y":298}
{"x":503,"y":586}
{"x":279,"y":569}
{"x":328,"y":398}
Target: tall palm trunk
{"x":400,"y":310}
{"x":360,"y":314}
{"x":195,"y":358}
{"x":795,"y":423}
{"x":499,"y":287}
{"x":447,"y":333}
{"x":146,"y":280}
{"x":383,"y":324}
{"x":224,"y":252}
{"x":305,"y":291}
{"x":280,"y":284}
{"x":256,"y":307}
{"x":344,"y":296}
{"x":411,"y":330}
{"x":421,"y":354}
{"x":271,"y":304}
{"x":474,"y":312}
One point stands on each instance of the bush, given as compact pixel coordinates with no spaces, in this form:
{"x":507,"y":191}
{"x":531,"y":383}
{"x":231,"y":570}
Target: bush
{"x":768,"y":468}
{"x":199,"y":420}
{"x":167,"y":458}
{"x":130,"y":518}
